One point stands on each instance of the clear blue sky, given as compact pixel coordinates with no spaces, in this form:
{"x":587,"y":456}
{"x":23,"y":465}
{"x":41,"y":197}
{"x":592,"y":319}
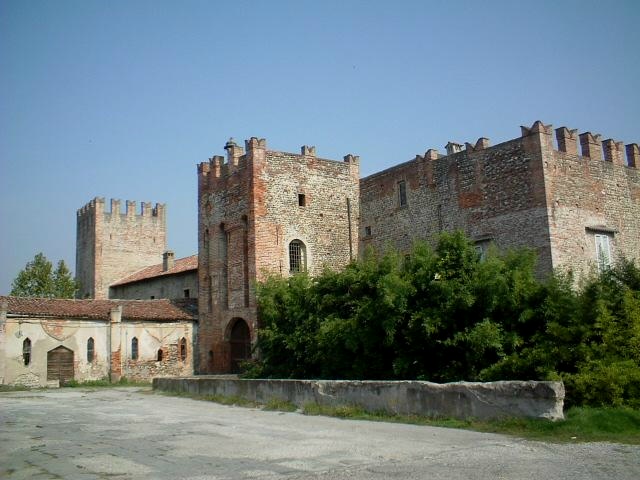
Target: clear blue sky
{"x":122,"y":99}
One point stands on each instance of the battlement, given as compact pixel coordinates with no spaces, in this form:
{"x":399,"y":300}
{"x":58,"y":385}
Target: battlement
{"x":219,"y":167}
{"x":97,"y":205}
{"x":592,"y":146}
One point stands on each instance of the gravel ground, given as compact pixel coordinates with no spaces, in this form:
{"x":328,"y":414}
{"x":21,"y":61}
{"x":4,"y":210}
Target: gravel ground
{"x":132,"y":433}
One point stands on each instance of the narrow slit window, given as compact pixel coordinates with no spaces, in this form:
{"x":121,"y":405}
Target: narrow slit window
{"x":183,"y":349}
{"x":302,"y":200}
{"x":186,"y":293}
{"x":90,"y":350}
{"x":160,"y":355}
{"x":402,"y":193}
{"x":26,"y":351}
{"x":134,"y":348}
{"x":367,"y":231}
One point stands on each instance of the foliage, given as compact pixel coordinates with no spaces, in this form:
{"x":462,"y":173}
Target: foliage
{"x":443,"y":315}
{"x":39,"y":279}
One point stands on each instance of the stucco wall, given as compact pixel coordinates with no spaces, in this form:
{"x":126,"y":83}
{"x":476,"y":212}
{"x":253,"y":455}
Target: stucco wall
{"x":166,"y":286}
{"x":50,"y":333}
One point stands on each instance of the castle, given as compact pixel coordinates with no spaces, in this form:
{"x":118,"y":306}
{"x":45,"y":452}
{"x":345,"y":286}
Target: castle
{"x":263,"y":212}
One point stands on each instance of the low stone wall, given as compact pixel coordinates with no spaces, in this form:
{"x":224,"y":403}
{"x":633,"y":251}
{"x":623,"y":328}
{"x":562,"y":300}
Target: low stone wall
{"x":451,"y":400}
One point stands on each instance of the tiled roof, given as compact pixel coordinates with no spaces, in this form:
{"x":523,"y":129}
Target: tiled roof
{"x":158,"y":310}
{"x":179,"y":266}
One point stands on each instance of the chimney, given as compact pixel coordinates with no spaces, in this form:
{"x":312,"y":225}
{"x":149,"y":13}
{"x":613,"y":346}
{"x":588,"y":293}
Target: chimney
{"x":167,"y":260}
{"x":453,"y":147}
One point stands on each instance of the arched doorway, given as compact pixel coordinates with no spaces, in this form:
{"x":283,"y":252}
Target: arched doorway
{"x":60,"y":364}
{"x":240,"y":340}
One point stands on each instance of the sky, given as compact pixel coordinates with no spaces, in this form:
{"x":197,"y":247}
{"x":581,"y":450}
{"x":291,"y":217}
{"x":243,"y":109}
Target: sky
{"x":122,"y":99}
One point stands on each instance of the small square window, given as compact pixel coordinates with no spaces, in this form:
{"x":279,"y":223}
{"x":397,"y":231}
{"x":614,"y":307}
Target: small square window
{"x":367,"y":231}
{"x":302,"y":201}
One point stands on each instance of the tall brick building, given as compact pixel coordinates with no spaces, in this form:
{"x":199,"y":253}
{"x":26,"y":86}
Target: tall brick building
{"x":263,"y":211}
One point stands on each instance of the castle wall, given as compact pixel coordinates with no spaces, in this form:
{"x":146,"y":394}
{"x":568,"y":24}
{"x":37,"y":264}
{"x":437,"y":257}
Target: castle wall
{"x":494,"y":194}
{"x":250,"y":209}
{"x":593,"y":193}
{"x":111,"y":245}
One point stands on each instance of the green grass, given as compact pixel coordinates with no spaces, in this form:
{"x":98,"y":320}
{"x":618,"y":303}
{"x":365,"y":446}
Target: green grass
{"x":581,"y":424}
{"x":104,"y":382}
{"x":279,"y":405}
{"x":13,"y":388}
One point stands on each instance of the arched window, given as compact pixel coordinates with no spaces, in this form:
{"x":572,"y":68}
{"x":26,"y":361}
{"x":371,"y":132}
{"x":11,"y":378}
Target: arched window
{"x":26,"y":351}
{"x":183,"y":349}
{"x":90,"y":350}
{"x":134,"y":348}
{"x":297,"y":257}
{"x":160,"y":355}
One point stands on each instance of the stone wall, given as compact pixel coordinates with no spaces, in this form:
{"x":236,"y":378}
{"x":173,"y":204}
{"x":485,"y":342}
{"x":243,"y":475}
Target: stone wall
{"x":166,"y":286}
{"x":251,"y":207}
{"x":111,"y":245}
{"x":493,"y":194}
{"x":460,"y":400}
{"x":521,"y":193}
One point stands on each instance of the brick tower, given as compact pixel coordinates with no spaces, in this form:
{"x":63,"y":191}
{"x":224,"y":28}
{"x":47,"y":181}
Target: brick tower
{"x":111,"y":245}
{"x":259,"y":213}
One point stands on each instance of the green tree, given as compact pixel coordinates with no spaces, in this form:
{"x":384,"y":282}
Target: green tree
{"x":39,"y":279}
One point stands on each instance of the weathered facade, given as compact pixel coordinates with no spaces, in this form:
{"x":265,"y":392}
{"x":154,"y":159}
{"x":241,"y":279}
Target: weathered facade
{"x":53,"y":341}
{"x":170,"y":279}
{"x":265,"y":212}
{"x":112,"y":245}
{"x":522,"y":193}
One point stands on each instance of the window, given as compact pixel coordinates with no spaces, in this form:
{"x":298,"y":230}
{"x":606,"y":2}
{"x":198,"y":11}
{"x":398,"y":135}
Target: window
{"x":297,"y":260}
{"x":186,"y":293}
{"x":134,"y":348}
{"x":482,"y":248}
{"x":603,"y":251}
{"x":183,"y":349}
{"x":302,"y":201}
{"x":152,"y":297}
{"x":402,"y":193}
{"x":90,"y":350}
{"x":26,"y":351}
{"x":160,"y":355}
{"x":367,"y":231}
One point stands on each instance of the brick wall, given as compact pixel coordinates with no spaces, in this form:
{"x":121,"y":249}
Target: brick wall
{"x":111,"y":245}
{"x":597,"y":192}
{"x":249,"y":211}
{"x":491,"y":193}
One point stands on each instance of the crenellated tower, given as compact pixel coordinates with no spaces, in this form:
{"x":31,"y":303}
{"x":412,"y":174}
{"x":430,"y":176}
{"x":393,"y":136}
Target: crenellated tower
{"x":264,"y":212}
{"x":113,"y":244}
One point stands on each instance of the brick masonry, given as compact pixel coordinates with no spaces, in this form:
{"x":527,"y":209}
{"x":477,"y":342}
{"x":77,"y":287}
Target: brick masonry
{"x":251,"y":207}
{"x":112,"y":245}
{"x":521,"y":193}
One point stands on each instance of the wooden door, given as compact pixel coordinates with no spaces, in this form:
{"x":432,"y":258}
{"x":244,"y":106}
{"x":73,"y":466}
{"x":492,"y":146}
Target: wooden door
{"x":240,"y":344}
{"x":60,"y":364}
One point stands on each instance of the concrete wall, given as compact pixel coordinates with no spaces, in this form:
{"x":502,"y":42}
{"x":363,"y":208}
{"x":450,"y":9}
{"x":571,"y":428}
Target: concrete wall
{"x":166,"y":286}
{"x":453,"y":400}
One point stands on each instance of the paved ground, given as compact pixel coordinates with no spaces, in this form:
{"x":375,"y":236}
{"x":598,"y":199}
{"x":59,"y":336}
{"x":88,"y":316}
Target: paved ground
{"x":128,"y":433}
